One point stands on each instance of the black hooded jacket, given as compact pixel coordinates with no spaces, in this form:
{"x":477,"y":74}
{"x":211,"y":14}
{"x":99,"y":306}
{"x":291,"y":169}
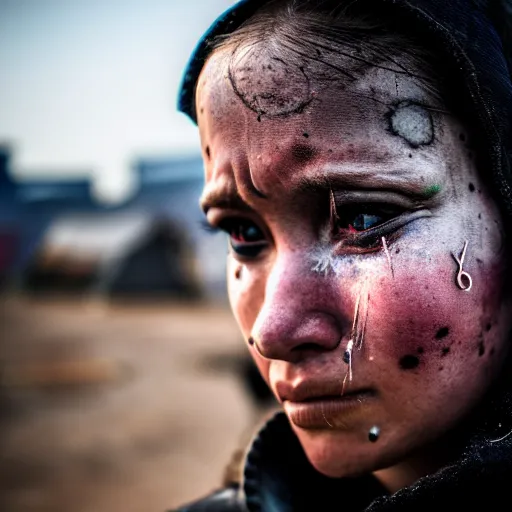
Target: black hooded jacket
{"x":475,"y":38}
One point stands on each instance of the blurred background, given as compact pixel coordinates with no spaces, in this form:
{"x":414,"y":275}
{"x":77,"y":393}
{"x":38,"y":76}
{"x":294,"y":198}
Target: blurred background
{"x":124,"y":383}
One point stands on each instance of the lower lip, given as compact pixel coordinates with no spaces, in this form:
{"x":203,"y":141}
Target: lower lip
{"x":327,"y":412}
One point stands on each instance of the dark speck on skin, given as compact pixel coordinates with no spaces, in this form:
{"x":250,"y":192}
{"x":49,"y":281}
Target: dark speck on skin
{"x":305,"y":134}
{"x":488,"y":327}
{"x":471,"y":187}
{"x":420,"y":350}
{"x":479,"y":215}
{"x":303,"y":153}
{"x":397,"y":250}
{"x":481,"y":349}
{"x":207,"y":151}
{"x":445,"y":351}
{"x":442,"y":333}
{"x":409,"y":362}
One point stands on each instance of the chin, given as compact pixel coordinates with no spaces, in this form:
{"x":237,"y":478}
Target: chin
{"x":337,"y":455}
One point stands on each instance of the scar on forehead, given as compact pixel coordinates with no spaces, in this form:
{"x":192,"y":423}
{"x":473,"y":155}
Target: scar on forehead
{"x":413,"y":123}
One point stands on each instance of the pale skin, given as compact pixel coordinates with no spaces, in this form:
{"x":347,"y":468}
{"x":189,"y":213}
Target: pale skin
{"x":430,"y":349}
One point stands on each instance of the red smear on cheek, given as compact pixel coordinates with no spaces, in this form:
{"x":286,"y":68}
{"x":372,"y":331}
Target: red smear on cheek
{"x":423,"y":323}
{"x":417,"y":320}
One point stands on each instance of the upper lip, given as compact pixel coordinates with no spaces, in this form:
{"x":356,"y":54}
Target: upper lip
{"x":312,"y":390}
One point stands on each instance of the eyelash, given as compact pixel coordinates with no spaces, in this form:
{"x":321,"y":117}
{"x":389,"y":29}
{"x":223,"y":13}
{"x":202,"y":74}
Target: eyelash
{"x":370,"y":238}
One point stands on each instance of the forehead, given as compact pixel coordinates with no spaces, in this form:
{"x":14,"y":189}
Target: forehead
{"x":260,"y":113}
{"x":274,"y":88}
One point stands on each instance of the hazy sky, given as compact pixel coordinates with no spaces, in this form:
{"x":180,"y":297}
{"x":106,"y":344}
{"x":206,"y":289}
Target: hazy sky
{"x":88,"y":85}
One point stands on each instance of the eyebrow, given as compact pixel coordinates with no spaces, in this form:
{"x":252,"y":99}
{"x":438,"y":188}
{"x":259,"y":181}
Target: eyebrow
{"x":330,"y":179}
{"x":320,"y":183}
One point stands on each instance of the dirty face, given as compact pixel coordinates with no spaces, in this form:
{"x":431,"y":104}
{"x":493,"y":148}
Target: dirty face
{"x":366,"y":264}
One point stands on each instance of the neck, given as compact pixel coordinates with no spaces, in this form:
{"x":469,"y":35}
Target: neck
{"x":427,"y":461}
{"x":403,"y":475}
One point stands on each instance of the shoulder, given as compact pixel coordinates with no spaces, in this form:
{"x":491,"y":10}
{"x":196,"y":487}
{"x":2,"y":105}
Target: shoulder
{"x":225,"y":500}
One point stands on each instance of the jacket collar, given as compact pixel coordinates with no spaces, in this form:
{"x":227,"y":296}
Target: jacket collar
{"x":278,"y":477}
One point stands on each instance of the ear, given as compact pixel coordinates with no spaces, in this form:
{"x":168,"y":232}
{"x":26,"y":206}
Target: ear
{"x":500,"y":13}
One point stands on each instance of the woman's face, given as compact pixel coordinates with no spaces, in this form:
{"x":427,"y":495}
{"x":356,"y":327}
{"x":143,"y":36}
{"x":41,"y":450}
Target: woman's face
{"x":348,"y":206}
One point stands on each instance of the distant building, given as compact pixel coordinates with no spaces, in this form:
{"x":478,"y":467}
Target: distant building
{"x":54,"y":234}
{"x":28,"y":207}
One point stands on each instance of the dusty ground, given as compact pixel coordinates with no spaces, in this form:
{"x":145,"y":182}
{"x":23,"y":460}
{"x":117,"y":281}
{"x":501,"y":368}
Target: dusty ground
{"x":116,"y":408}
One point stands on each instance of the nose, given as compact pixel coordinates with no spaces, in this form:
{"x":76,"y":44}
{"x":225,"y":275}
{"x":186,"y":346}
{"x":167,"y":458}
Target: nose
{"x":301,"y":313}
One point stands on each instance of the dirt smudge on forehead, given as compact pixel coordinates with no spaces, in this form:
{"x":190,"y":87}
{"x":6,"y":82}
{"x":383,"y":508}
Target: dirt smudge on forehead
{"x":268,"y":84}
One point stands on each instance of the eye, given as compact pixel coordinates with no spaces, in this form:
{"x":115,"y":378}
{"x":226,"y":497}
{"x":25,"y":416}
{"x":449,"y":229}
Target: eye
{"x":246,"y":238}
{"x":362,"y":225}
{"x":353,"y":219}
{"x":241,"y":230}
{"x":363,"y":221}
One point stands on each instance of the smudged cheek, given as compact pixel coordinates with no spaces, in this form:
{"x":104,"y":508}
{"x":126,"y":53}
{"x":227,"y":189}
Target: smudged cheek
{"x":423,"y":324}
{"x":246,"y":293}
